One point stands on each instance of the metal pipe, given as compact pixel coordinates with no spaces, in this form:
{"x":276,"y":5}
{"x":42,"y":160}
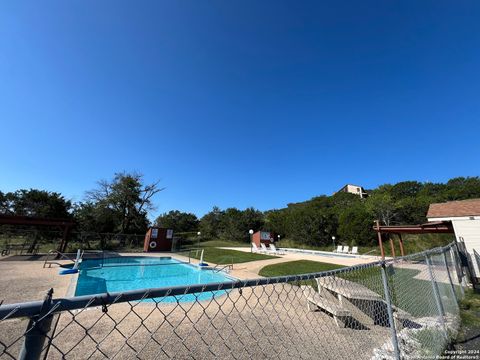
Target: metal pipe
{"x":393,"y":330}
{"x":37,"y":330}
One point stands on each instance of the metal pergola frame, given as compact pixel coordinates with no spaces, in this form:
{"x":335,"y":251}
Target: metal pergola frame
{"x":65,"y":224}
{"x":437,"y":227}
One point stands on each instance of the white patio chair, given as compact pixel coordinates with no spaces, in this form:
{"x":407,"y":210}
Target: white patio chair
{"x":255,"y":248}
{"x":354,"y":250}
{"x":276,"y":251}
{"x":339,"y":249}
{"x":345,"y":249}
{"x":264,"y":248}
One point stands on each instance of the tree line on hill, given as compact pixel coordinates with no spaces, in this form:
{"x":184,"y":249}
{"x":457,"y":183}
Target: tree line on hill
{"x":122,"y":204}
{"x":346,"y":216}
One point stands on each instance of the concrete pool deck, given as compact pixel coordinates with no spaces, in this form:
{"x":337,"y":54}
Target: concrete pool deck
{"x":251,"y":269}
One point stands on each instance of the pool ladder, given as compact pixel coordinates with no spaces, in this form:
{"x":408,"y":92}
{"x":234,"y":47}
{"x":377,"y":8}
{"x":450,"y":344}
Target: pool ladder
{"x":218,"y":268}
{"x":57,"y":254}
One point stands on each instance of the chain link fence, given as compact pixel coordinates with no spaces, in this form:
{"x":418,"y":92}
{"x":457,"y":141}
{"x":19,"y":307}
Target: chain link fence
{"x":17,"y":240}
{"x":402,"y":308}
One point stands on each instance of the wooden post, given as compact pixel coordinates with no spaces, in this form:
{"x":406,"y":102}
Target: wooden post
{"x":63,"y":244}
{"x":402,"y":250}
{"x":392,"y":245}
{"x":380,"y":242}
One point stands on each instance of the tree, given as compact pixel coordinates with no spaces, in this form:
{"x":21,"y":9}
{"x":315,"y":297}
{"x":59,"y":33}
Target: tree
{"x":311,"y":224}
{"x":6,"y":203}
{"x":413,"y":210}
{"x":382,"y":207}
{"x":276,"y":221}
{"x":33,"y":202}
{"x":178,"y":221}
{"x":210,"y":223}
{"x":405,"y":189}
{"x":355,"y":226}
{"x":462,"y":188}
{"x":96,"y":219}
{"x":129,"y":199}
{"x":236,"y":223}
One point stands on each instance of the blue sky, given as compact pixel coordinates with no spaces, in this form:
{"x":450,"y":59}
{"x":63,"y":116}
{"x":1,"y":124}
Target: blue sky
{"x":238,"y":103}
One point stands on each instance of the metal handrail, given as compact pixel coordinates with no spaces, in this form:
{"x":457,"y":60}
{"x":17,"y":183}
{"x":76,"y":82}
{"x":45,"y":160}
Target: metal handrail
{"x":62,"y":255}
{"x":229,"y":266}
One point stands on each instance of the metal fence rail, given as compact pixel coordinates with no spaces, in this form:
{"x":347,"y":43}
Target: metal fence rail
{"x":402,"y":308}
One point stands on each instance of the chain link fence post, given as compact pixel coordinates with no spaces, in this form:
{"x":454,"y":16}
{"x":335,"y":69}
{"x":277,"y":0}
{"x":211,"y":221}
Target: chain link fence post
{"x":390,"y":311}
{"x":37,"y":330}
{"x":436,"y":294}
{"x":454,"y":295}
{"x":458,"y":268}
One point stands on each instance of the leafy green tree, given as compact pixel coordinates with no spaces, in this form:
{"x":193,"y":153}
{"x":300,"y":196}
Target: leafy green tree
{"x":178,"y":221}
{"x":33,"y":202}
{"x":405,"y":189}
{"x":276,"y":221}
{"x":310,"y":224}
{"x":128,"y":197}
{"x":210,"y":223}
{"x":462,"y":188}
{"x":92,"y":218}
{"x":412,"y":210}
{"x":356,"y":226}
{"x":6,"y":203}
{"x":382,"y":207}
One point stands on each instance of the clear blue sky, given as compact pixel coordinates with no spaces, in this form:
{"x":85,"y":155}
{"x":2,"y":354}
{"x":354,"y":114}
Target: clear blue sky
{"x":238,"y":103}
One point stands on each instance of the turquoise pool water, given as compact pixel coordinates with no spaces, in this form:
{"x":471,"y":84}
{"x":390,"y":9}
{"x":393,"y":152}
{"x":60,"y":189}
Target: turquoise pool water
{"x":119,"y":274}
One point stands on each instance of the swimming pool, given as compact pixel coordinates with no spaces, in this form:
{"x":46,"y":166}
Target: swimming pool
{"x":119,"y":274}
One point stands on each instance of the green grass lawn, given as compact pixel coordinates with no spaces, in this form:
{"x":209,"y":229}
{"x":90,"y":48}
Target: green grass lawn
{"x":296,"y":268}
{"x":222,"y":243}
{"x":222,"y":256}
{"x":412,"y":295}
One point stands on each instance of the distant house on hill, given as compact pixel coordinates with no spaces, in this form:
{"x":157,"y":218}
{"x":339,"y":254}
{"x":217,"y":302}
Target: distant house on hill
{"x":465,"y":218}
{"x":354,"y":189}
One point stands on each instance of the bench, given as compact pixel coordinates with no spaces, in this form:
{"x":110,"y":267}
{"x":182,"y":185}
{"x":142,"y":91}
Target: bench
{"x":315,"y":300}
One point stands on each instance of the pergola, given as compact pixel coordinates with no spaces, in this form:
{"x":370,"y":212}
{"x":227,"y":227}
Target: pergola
{"x":65,"y":224}
{"x":437,"y":227}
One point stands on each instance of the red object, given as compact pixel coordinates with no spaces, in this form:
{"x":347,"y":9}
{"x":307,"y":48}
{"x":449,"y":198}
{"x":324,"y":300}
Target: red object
{"x":158,"y":239}
{"x":264,"y":237}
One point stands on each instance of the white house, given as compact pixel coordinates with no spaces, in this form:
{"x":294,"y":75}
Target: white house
{"x":354,"y":189}
{"x":465,"y":218}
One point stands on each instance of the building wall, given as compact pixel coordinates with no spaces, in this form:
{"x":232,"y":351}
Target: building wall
{"x":353,"y":189}
{"x":468,"y":229}
{"x":262,"y":237}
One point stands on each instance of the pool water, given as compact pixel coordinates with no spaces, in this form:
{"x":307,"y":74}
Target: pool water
{"x":119,"y":274}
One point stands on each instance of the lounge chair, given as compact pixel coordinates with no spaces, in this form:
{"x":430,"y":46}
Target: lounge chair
{"x":354,"y":250}
{"x":264,"y":248}
{"x":255,"y":248}
{"x":345,"y":249}
{"x":276,"y":251}
{"x":316,"y":301}
{"x":339,"y":249}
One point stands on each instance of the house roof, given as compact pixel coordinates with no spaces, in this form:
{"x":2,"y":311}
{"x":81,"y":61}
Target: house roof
{"x":454,"y":209}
